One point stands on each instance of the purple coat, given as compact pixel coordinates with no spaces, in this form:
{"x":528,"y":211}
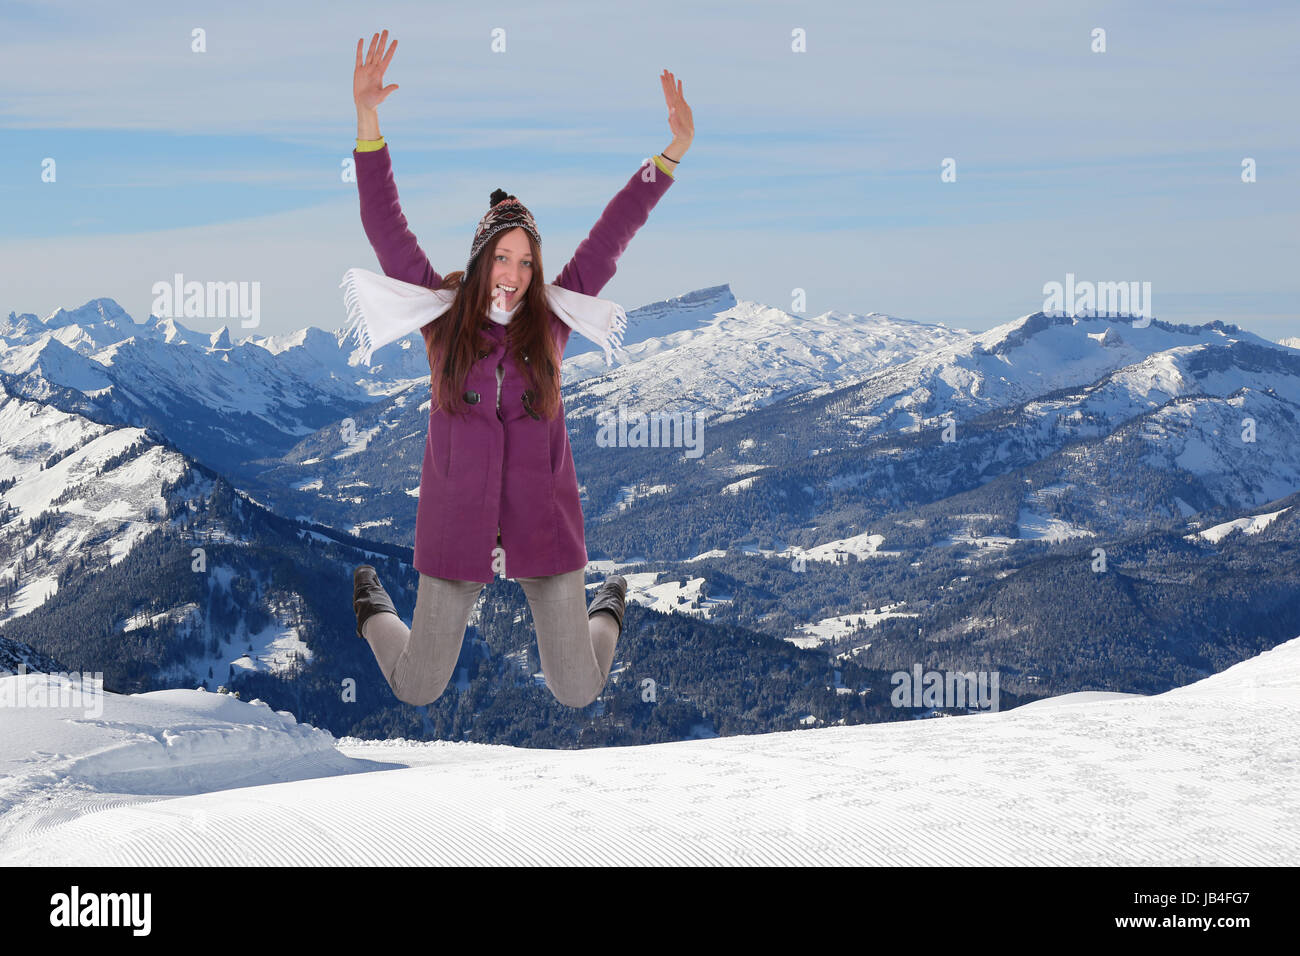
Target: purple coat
{"x":505,"y":473}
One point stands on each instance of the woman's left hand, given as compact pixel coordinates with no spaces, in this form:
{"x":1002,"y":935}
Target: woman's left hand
{"x":680,"y":120}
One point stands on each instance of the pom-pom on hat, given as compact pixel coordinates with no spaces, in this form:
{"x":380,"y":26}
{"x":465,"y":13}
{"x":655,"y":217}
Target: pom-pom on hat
{"x":506,"y":212}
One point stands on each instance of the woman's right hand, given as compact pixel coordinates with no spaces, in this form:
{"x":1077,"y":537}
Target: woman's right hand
{"x":368,"y":88}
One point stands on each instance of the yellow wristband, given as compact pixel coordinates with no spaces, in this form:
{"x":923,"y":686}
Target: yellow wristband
{"x":659,"y":161}
{"x":369,"y":145}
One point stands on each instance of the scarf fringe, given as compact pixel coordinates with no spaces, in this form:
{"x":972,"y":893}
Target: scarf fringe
{"x":356,"y":325}
{"x":613,"y":339}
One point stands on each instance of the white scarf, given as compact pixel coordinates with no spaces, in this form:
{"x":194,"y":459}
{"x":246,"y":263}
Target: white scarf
{"x":382,"y":309}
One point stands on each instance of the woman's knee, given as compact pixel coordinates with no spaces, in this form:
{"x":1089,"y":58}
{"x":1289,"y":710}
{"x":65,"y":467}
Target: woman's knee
{"x":573,"y":693}
{"x":422,"y":692}
{"x":424,"y":681}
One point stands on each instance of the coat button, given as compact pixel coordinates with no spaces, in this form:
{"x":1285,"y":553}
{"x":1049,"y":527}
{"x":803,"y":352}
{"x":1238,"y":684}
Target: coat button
{"x":482,"y":353}
{"x":471,"y":397}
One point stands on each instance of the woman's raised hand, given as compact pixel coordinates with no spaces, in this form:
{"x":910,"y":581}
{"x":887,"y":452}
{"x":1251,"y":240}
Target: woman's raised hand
{"x":368,"y":88}
{"x":680,"y":120}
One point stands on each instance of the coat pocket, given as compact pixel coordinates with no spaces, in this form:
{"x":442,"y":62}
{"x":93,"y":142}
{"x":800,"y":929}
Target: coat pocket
{"x":440,"y":443}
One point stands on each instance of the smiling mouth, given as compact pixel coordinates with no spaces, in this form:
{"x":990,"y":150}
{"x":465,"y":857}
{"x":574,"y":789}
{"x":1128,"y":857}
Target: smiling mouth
{"x":506,"y":292}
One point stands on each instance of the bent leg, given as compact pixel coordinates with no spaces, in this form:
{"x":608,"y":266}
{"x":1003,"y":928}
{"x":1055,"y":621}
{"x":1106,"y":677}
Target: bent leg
{"x":576,"y":651}
{"x":418,"y":662}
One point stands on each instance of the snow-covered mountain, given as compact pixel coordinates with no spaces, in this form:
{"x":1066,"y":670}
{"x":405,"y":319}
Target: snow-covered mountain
{"x":745,"y":357}
{"x":1010,"y":364}
{"x":654,"y":320}
{"x":1204,"y":427}
{"x":222,"y":403}
{"x":77,"y":500}
{"x":1135,"y":423}
{"x":85,"y":491}
{"x":1100,"y":779}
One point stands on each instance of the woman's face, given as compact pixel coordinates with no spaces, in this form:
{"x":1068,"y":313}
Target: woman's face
{"x":512,"y":266}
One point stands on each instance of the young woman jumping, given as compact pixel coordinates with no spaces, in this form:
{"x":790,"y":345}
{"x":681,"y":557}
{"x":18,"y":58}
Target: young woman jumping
{"x":498,"y":487}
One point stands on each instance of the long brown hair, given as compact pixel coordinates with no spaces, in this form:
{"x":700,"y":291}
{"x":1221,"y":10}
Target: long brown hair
{"x":456,"y":334}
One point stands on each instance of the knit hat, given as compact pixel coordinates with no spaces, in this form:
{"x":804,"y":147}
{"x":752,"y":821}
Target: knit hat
{"x":506,"y":212}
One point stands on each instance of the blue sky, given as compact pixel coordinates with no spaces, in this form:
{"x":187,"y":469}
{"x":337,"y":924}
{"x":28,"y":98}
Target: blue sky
{"x":817,"y":170}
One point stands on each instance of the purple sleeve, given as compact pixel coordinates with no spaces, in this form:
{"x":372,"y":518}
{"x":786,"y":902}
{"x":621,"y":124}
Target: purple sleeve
{"x":399,"y":254}
{"x":594,"y":262}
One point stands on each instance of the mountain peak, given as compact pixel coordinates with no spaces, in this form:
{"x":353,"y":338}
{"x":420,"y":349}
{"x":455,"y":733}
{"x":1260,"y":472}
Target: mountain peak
{"x":1004,"y":338}
{"x":102,"y":311}
{"x":221,"y":338}
{"x":687,"y":312}
{"x":20,"y":324}
{"x":1111,"y":338}
{"x":174,"y":333}
{"x":700,"y":297}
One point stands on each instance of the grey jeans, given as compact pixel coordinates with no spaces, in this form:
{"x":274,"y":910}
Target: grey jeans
{"x":576,"y":652}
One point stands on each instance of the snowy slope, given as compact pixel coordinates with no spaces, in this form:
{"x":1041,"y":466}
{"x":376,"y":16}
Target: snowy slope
{"x":1014,"y":363}
{"x":94,"y":504}
{"x":59,"y":763}
{"x":1206,"y":774}
{"x":745,"y":357}
{"x":1251,"y":525}
{"x":1182,"y":440}
{"x":657,"y":320}
{"x":16,"y":658}
{"x":109,"y":508}
{"x":50,"y":361}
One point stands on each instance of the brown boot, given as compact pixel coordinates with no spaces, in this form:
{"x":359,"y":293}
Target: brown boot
{"x":610,"y":598}
{"x":368,"y":596}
